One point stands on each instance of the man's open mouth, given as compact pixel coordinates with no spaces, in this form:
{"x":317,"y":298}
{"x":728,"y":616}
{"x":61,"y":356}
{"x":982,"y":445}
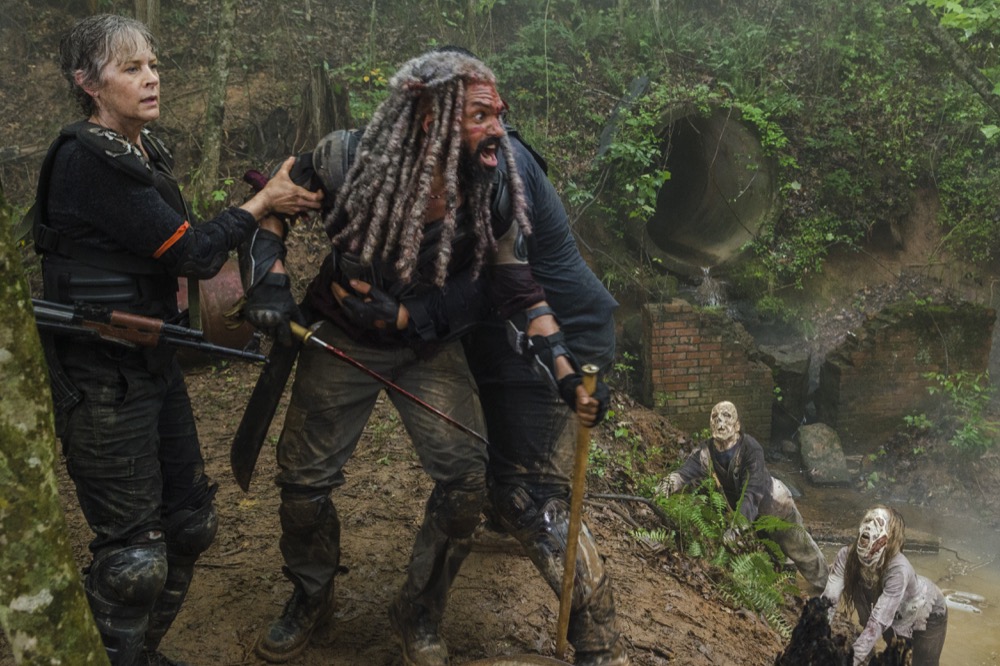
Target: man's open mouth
{"x":487,"y":153}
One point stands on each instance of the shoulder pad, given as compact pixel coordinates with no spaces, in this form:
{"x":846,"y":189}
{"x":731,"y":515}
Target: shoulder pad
{"x":157,"y":150}
{"x":333,"y":156}
{"x":115,"y":149}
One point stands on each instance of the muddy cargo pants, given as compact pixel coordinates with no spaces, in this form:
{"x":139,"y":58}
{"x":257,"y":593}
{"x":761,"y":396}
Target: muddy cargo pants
{"x":331,"y":403}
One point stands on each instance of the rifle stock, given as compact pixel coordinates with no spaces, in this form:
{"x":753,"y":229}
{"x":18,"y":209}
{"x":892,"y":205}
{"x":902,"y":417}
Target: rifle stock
{"x":126,"y":328}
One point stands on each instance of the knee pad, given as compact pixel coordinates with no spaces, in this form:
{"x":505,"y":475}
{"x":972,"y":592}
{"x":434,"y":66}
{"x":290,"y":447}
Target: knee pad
{"x":539,"y":519}
{"x":190,"y":532}
{"x":521,"y":510}
{"x":456,"y":507}
{"x":131,"y":576}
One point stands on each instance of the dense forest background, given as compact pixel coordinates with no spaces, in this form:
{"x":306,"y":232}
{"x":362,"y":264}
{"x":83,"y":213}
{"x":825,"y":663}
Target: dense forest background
{"x":863,"y":107}
{"x":872,"y":115}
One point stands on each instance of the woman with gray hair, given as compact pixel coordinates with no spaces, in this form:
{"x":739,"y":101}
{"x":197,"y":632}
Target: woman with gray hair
{"x":113,"y":230}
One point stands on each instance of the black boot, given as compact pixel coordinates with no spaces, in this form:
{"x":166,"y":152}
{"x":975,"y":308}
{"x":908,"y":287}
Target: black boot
{"x":290,"y":632}
{"x":615,"y":656}
{"x":156,"y":658}
{"x":417,"y":630}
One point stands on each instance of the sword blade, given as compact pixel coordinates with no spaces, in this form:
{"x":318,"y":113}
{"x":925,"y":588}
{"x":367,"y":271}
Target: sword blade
{"x":307,"y":336}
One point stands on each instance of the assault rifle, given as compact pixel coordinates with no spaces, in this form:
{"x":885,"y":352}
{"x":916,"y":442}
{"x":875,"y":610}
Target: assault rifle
{"x":124,"y":328}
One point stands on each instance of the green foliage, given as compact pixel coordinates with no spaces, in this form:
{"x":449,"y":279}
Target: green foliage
{"x":628,"y":453}
{"x":753,"y":577}
{"x":205,"y":207}
{"x":754,"y":582}
{"x":919,"y":422}
{"x":968,"y":17}
{"x":967,"y":397}
{"x":366,"y":85}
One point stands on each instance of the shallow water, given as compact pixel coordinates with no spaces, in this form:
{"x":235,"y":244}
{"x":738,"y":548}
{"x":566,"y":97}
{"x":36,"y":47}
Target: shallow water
{"x":967,"y":562}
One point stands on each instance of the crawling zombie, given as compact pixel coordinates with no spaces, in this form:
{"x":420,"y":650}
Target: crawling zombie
{"x":737,"y":461}
{"x":891,"y":599}
{"x":413,"y":212}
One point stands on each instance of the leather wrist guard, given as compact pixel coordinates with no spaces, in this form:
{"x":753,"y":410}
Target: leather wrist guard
{"x":257,"y":255}
{"x":541,"y":350}
{"x":517,"y":327}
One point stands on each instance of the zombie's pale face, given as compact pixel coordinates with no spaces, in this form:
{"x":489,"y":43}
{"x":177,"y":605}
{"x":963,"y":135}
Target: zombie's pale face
{"x":873,"y":535}
{"x":725,"y":424}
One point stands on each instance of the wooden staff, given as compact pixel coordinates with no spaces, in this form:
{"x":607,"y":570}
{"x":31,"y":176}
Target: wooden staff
{"x":575,"y":518}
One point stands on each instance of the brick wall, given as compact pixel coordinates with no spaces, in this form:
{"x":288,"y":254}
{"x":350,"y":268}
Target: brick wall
{"x":694,"y":358}
{"x":876,"y":377}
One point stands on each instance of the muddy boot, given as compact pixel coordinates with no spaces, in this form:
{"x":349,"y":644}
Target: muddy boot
{"x":616,"y":656}
{"x":290,"y":632}
{"x":154,"y":658}
{"x":417,"y":631}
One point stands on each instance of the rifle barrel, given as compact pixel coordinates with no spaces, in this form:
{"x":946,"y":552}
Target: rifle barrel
{"x":217,"y":350}
{"x":124,"y":328}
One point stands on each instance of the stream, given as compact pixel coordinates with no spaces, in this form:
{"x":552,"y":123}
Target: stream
{"x":967,"y":562}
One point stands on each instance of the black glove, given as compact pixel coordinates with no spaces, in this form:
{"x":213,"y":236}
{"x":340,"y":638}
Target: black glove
{"x":567,"y":391}
{"x":377,"y":309}
{"x":270,"y":307}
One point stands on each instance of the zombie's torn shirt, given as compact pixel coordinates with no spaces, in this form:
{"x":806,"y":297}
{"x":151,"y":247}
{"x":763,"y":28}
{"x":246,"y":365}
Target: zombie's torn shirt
{"x":907,"y":600}
{"x":742,"y":473}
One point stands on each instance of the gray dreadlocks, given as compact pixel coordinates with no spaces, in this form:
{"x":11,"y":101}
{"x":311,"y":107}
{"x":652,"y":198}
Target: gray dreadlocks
{"x":387,"y":188}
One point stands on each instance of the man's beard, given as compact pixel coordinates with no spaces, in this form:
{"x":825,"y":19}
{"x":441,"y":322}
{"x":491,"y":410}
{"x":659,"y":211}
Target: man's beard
{"x":471,"y":172}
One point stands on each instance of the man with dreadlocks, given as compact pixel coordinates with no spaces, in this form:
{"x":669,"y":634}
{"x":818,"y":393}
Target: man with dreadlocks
{"x":532,"y":435}
{"x":414,"y":210}
{"x":891,"y":599}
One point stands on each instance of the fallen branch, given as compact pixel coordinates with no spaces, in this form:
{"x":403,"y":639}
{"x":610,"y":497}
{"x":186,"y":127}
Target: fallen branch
{"x":653,"y":506}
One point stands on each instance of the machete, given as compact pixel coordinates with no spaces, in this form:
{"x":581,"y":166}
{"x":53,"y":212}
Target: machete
{"x":263,"y":403}
{"x":266,"y":394}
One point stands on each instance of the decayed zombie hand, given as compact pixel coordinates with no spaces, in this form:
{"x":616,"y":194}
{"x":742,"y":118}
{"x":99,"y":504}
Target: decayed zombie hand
{"x":732,"y":536}
{"x":669,"y":485}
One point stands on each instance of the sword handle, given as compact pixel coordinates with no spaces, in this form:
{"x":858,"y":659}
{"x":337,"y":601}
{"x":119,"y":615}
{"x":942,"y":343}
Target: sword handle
{"x":300,"y":331}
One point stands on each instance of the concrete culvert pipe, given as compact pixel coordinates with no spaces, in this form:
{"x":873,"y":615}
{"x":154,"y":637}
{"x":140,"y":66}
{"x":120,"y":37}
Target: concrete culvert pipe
{"x":721,"y":192}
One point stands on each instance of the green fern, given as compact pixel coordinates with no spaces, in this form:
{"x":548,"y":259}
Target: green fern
{"x":753,"y":575}
{"x":754,"y":583}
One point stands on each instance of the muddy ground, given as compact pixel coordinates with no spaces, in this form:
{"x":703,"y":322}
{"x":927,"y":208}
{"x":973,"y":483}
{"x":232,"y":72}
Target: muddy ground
{"x":669,"y":609}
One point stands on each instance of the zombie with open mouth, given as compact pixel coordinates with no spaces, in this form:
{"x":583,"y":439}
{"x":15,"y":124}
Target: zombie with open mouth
{"x":891,"y":599}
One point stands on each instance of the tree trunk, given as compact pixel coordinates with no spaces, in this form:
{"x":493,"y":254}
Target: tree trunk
{"x":472,"y":33}
{"x":148,"y":11}
{"x":958,"y":58}
{"x":207,"y":174}
{"x":215,"y":112}
{"x":325,"y":108}
{"x":43,"y":608}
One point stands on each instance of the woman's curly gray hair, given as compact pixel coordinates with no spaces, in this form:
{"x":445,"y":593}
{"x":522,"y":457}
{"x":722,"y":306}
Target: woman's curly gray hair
{"x":387,"y":188}
{"x":93,"y":43}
